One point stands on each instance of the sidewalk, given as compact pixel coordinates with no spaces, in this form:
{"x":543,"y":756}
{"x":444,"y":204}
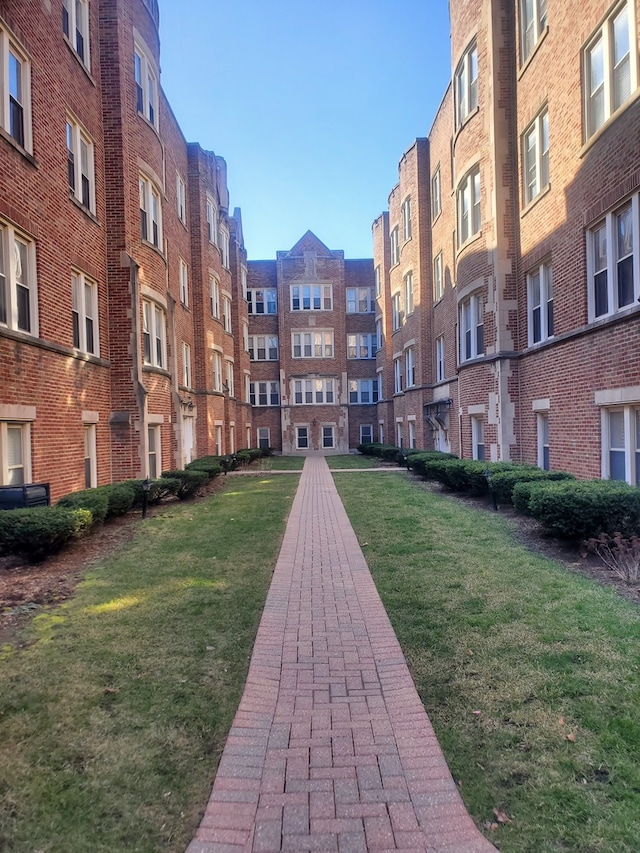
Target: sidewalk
{"x":331,"y":749}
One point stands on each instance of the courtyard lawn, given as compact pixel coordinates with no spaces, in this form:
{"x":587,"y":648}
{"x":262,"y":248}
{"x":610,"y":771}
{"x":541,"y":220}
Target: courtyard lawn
{"x":353,"y":460}
{"x":530,"y":674}
{"x":280,"y":463}
{"x":114,"y":715}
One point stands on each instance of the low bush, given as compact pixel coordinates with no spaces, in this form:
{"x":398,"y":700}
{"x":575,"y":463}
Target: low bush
{"x":120,"y":497}
{"x":521,"y":494}
{"x":191,"y":481}
{"x":96,"y":500}
{"x":584,"y":509}
{"x":36,"y":533}
{"x":161,"y":488}
{"x":211,"y":465}
{"x":504,"y":481}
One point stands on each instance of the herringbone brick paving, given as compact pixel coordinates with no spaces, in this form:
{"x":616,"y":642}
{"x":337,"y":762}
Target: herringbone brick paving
{"x":331,"y":748}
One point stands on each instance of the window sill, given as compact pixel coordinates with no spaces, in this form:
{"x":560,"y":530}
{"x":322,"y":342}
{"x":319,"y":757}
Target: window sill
{"x":591,"y":141}
{"x":534,"y":51}
{"x":153,"y":368}
{"x":87,"y":212}
{"x":531,"y":204}
{"x":465,"y":121}
{"x":150,"y":124}
{"x":153,"y":247}
{"x":469,"y":242}
{"x":23,"y":151}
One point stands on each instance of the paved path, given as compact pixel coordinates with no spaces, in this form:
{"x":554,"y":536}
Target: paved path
{"x":331,"y":749}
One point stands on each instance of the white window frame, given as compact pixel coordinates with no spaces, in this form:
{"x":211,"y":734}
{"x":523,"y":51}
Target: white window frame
{"x":394,"y":238}
{"x":229,"y":381}
{"x":15,"y":104}
{"x":405,"y":211}
{"x":150,"y":212}
{"x":146,"y":78}
{"x":600,"y":101}
{"x":302,"y":443}
{"x":363,"y":392}
{"x":311,"y":297}
{"x":399,"y":433}
{"x":535,"y":156}
{"x":318,"y":343}
{"x":264,"y":393}
{"x":216,"y":365}
{"x":328,"y":436}
{"x":75,"y":26}
{"x":186,"y":364}
{"x":410,"y":367}
{"x":540,"y":303}
{"x":478,"y":447}
{"x":469,"y":206}
{"x":263,"y":347}
{"x":360,"y":300}
{"x":396,"y":311}
{"x":438,"y":278}
{"x":408,"y":292}
{"x":440,"y":359}
{"x":181,"y":198}
{"x":603,"y":273}
{"x":266,"y":297}
{"x":436,"y":195}
{"x":154,"y":334}
{"x":630,"y":415}
{"x":263,"y":437}
{"x":533,"y":23}
{"x":90,"y":456}
{"x":183,"y":272}
{"x":212,"y":221}
{"x":313,"y":392}
{"x":154,"y":450}
{"x":471,"y":327}
{"x":542,"y":433}
{"x":466,"y":84}
{"x":81,"y":165}
{"x":84,"y":310}
{"x":397,"y":375}
{"x":379,"y":334}
{"x":214,"y":297}
{"x":223,"y":245}
{"x":361,"y":346}
{"x":412,"y":434}
{"x":8,"y":467}
{"x":18,"y":286}
{"x":226,"y":313}
{"x":366,"y":437}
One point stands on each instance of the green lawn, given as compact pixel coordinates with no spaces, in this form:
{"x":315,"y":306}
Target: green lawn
{"x":113,"y":718}
{"x":353,"y":460}
{"x":530,"y":674}
{"x":281,"y":463}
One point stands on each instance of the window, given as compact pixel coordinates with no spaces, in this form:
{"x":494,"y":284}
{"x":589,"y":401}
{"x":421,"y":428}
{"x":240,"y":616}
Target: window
{"x":188,"y":439}
{"x":226,"y":314}
{"x":245,"y":336}
{"x":218,"y":439}
{"x":75,"y":26}
{"x":312,"y":344}
{"x":613,"y":261}
{"x":398,"y":433}
{"x":361,"y":346}
{"x":154,"y":451}
{"x":80,"y":166}
{"x":217,"y":370}
{"x":378,"y":334}
{"x":469,"y":220}
{"x":438,"y":278}
{"x":302,"y":438}
{"x":264,"y":393}
{"x":381,"y":433}
{"x":15,"y":84}
{"x":410,"y":366}
{"x":408,"y":292}
{"x":212,"y":221}
{"x":395,"y":247}
{"x":366,"y":434}
{"x":184,"y":283}
{"x":262,"y":301}
{"x":181,"y":196}
{"x":18,"y":293}
{"x":313,"y":391}
{"x":312,"y":297}
{"x":154,"y":335}
{"x":471,"y":328}
{"x":378,"y":281}
{"x":540,"y":304}
{"x":412,"y":434}
{"x":436,"y":195}
{"x":477,"y":438}
{"x":466,"y":84}
{"x":84,"y":313}
{"x":186,"y":365}
{"x":223,"y":244}
{"x":406,"y":218}
{"x":543,"y":440}
{"x":15,"y":453}
{"x":535,"y":156}
{"x":90,"y":457}
{"x":360,"y":300}
{"x":363,"y":390}
{"x":150,"y":213}
{"x":533,"y":21}
{"x":263,"y":347}
{"x":230,"y":389}
{"x":610,"y":67}
{"x":232,"y":438}
{"x":243,"y":281}
{"x":146,"y":78}
{"x":440,"y":369}
{"x":264,"y":437}
{"x":214,"y":297}
{"x":621,"y":444}
{"x":397,"y":375}
{"x":396,"y":311}
{"x":328,"y":437}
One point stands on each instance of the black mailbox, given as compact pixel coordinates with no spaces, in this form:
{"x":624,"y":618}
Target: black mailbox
{"x":24,"y":496}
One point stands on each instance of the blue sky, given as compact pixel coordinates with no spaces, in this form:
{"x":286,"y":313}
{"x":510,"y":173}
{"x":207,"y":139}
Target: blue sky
{"x":310,"y":102}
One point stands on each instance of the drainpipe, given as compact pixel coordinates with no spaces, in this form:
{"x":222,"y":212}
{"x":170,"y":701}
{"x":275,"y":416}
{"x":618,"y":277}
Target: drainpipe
{"x":136,"y":359}
{"x":175,"y":394}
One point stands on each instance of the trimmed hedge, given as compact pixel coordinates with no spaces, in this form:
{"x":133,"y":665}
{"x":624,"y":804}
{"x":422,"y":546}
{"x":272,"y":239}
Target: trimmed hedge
{"x":121,"y":497}
{"x":583,"y":509}
{"x":190,"y":481}
{"x":161,"y":488}
{"x":211,"y":465}
{"x":503,"y":482}
{"x":36,"y":533}
{"x":95,"y":500}
{"x":388,"y":452}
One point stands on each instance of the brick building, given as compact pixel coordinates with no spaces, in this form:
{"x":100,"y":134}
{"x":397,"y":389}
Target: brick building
{"x":509,"y":262}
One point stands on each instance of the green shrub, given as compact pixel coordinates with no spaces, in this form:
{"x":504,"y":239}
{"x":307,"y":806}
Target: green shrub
{"x":95,"y":500}
{"x":522,"y":492}
{"x":504,"y":481}
{"x":161,"y":488}
{"x":190,"y":481}
{"x":38,"y":532}
{"x":211,"y":465}
{"x":418,"y":459}
{"x":120,"y":497}
{"x":584,"y":509}
{"x":368,"y":449}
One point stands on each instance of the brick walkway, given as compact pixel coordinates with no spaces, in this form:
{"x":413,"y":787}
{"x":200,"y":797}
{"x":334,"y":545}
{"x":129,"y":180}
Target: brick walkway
{"x":331,"y":749}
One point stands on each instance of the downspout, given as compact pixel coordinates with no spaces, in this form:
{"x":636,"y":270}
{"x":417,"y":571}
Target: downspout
{"x":140,"y":390}
{"x":175,"y":394}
